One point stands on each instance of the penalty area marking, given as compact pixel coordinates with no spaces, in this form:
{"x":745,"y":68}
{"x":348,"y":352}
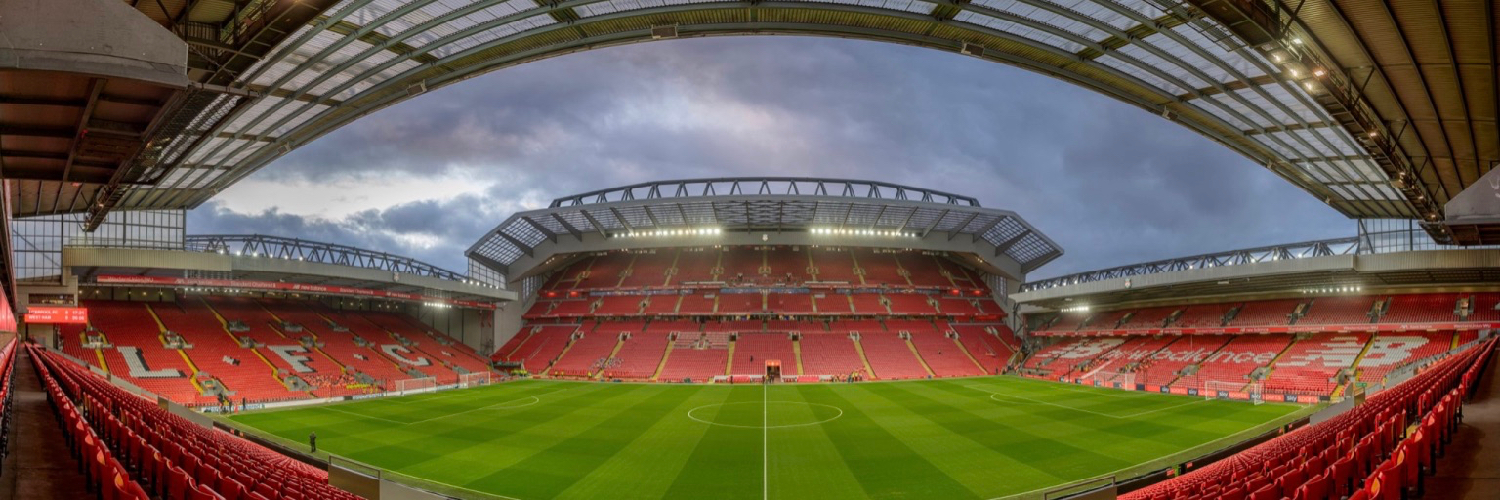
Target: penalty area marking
{"x":765,"y":418}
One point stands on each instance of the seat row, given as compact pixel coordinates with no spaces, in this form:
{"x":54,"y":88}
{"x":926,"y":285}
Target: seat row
{"x":134,"y":449}
{"x":1367,"y":452}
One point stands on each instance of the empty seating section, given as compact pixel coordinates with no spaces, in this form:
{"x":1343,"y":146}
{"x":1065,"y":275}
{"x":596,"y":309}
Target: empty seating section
{"x":835,"y":266}
{"x":218,"y":354}
{"x":543,"y":347}
{"x":1425,"y":308}
{"x":986,"y":348}
{"x":1309,"y":366}
{"x":890,"y":357}
{"x":787,"y":266}
{"x":1376,"y":450}
{"x":1338,"y":310}
{"x":1154,"y":317}
{"x":942,"y":355}
{"x":603,"y":272}
{"x":1169,"y":361}
{"x":1390,"y":351}
{"x":697,"y":303}
{"x":832,"y":304}
{"x":619,"y":305}
{"x":1104,"y":320}
{"x":130,"y":328}
{"x":740,"y":303}
{"x":1066,"y":322}
{"x":1236,"y":360}
{"x":923,"y":270}
{"x":856,"y":325}
{"x":1265,"y":313}
{"x":572,"y":308}
{"x":638,"y":356}
{"x":697,"y":365}
{"x":135,"y":450}
{"x":741,"y":265}
{"x":1132,"y":350}
{"x":1210,"y":315}
{"x":830,"y":354}
{"x":649,"y":270}
{"x":910,"y":303}
{"x":695,"y":266}
{"x":1485,"y":307}
{"x":957,"y":307}
{"x":868,"y":303}
{"x":790,"y":303}
{"x":454,"y":351}
{"x":881,"y":268}
{"x":661,"y":304}
{"x":588,"y":354}
{"x":751,"y":350}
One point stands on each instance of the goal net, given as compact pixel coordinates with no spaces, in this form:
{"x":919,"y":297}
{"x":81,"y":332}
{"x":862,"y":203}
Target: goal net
{"x":1220,"y":389}
{"x":1116,"y":380}
{"x":416,"y":385}
{"x":474,"y":379}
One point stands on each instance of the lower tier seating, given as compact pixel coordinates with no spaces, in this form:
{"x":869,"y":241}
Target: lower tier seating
{"x":945,"y":357}
{"x":829,"y":354}
{"x":890,"y":357}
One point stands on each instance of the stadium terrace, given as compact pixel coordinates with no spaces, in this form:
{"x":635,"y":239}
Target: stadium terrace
{"x":743,"y":337}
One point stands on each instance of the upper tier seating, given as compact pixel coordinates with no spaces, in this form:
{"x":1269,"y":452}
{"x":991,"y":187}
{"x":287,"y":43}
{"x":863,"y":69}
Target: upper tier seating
{"x":1203,"y":316}
{"x":1067,"y":322}
{"x":1265,"y":313}
{"x":881,"y":268}
{"x":923,"y":270}
{"x":835,"y":266}
{"x":649,"y":269}
{"x":695,"y":265}
{"x":1154,"y":317}
{"x":829,"y":354}
{"x":890,"y":357}
{"x":910,"y":303}
{"x":1425,"y":308}
{"x":1486,"y":307}
{"x":1338,"y":310}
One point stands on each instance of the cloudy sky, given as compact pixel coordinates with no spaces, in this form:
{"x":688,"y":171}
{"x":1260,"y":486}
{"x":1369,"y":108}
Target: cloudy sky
{"x":1109,"y":182}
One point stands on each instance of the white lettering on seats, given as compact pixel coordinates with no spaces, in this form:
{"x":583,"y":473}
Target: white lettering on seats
{"x":1089,"y":349}
{"x":394,"y":350}
{"x":137,"y":364}
{"x":1386,"y":351}
{"x":1337,"y":352}
{"x":294,"y":356}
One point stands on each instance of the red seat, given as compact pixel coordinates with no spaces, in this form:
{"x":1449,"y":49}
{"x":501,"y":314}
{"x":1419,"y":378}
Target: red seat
{"x":1267,"y":492}
{"x":202,"y":492}
{"x":178,"y":484}
{"x":1315,"y":489}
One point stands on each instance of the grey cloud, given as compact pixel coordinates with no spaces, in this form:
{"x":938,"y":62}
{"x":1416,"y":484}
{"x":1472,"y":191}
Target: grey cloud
{"x":1111,"y":183}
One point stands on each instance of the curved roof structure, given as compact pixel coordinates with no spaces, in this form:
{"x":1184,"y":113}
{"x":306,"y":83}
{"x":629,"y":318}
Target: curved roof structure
{"x":869,"y":213}
{"x":1380,"y":111}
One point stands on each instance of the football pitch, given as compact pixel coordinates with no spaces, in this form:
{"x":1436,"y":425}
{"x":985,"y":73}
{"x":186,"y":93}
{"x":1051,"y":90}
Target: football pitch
{"x":977,"y":438}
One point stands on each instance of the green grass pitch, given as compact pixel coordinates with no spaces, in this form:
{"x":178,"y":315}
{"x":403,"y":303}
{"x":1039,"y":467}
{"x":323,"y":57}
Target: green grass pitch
{"x":944,"y":439}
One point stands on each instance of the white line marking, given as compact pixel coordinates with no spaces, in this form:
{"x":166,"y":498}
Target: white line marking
{"x":696,"y":419}
{"x":361,"y":415}
{"x":504,"y":405}
{"x":765,"y":440}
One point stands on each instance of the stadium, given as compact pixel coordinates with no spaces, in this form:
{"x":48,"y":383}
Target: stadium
{"x":765,"y":337}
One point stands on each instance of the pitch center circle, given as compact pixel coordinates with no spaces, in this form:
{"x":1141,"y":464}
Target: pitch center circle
{"x":765,"y":415}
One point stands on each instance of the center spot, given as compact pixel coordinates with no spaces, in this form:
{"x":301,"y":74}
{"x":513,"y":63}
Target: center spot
{"x":768,"y":414}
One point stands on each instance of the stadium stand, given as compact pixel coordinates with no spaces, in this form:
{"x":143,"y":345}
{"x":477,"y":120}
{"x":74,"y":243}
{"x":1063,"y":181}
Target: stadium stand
{"x":133,"y":331}
{"x":1363,"y":453}
{"x":890,"y":356}
{"x":943,"y":356}
{"x":1309,"y":367}
{"x":1155,"y":317}
{"x":1338,"y":310}
{"x":134,"y":449}
{"x":992,"y":353}
{"x":1235,"y":361}
{"x":588,"y":354}
{"x":829,"y":354}
{"x":1390,"y":351}
{"x":752,"y":350}
{"x":1265,"y":313}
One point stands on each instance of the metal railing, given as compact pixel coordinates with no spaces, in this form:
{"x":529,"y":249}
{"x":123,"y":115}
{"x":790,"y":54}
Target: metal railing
{"x":276,"y":247}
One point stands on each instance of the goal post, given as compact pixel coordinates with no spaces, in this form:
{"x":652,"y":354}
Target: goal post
{"x":1223,"y":389}
{"x":474,"y":379}
{"x":416,"y":385}
{"x":1115,"y":380}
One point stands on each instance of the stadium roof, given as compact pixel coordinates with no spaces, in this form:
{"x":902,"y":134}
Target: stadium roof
{"x":781,"y":204}
{"x":1379,"y":110}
